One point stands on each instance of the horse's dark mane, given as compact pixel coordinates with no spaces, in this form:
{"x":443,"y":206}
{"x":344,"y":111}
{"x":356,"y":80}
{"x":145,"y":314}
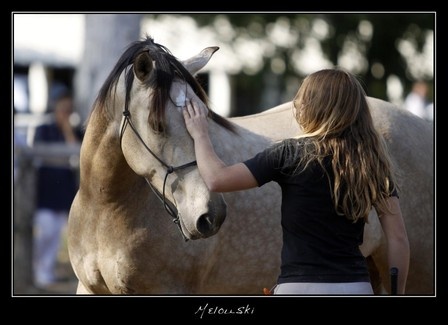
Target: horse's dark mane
{"x":167,"y":67}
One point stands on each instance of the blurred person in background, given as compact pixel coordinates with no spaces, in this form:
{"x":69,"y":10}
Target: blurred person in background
{"x":417,"y":101}
{"x":56,"y":187}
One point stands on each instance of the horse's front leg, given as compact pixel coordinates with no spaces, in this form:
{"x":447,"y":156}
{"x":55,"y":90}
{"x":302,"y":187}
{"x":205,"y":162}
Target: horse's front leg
{"x":82,"y":290}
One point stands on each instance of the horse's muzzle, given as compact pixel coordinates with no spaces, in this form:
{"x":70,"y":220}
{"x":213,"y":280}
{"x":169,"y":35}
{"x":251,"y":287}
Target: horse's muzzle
{"x":208,"y":224}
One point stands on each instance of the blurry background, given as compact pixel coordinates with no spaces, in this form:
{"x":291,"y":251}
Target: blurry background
{"x":260,"y":63}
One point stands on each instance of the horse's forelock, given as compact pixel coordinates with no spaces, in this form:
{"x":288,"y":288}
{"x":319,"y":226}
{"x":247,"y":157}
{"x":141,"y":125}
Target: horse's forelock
{"x":167,"y":67}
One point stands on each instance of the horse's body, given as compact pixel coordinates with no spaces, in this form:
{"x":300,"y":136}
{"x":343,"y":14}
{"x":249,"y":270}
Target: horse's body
{"x":121,"y":239}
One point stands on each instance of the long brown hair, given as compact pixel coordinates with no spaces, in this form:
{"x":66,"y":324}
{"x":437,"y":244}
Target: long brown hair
{"x":331,"y":108}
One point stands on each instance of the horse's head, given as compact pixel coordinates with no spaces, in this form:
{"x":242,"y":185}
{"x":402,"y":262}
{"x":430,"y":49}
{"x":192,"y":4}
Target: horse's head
{"x":149,"y":87}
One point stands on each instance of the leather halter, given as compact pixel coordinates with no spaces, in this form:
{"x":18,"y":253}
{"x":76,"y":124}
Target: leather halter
{"x":170,"y":208}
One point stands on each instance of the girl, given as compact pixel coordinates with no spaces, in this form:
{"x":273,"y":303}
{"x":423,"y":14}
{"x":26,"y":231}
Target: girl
{"x":330,"y":176}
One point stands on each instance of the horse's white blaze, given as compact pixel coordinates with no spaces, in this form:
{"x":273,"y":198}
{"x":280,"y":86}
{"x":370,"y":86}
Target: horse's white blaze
{"x":181,"y":99}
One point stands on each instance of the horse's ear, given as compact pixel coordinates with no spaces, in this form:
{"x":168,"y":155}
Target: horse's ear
{"x":197,"y":62}
{"x":143,"y":66}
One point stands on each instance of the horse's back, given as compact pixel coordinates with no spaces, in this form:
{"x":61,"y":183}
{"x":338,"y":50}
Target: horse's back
{"x":275,"y":123}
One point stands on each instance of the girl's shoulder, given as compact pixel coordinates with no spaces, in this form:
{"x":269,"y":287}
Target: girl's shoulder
{"x":290,"y":143}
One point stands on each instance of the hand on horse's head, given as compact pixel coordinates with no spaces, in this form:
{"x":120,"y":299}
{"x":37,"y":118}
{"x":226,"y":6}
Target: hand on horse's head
{"x":195,"y":115}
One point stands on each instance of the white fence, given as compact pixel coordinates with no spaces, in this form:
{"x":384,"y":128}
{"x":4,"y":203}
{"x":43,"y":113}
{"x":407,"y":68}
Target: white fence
{"x":26,"y":161}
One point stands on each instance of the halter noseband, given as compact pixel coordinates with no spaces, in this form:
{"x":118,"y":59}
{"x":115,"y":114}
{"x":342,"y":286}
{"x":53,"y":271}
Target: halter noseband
{"x":172,"y":210}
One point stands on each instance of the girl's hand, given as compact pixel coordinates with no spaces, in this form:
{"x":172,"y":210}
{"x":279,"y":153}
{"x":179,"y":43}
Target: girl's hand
{"x":195,"y":116}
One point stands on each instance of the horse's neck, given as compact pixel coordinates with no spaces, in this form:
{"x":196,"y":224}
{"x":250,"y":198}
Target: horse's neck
{"x":236,"y":147}
{"x":103,"y":168}
{"x":254,"y":133}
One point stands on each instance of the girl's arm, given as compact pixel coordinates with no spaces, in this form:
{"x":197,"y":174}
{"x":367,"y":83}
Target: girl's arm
{"x":398,"y":251}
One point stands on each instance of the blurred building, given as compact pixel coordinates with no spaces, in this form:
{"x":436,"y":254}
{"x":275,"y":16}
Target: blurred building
{"x":47,"y":49}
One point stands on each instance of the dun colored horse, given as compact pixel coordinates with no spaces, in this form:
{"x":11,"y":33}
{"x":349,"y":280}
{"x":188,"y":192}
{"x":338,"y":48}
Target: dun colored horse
{"x":143,"y":221}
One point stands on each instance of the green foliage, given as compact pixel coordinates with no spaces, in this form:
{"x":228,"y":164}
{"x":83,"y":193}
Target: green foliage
{"x":375,"y":37}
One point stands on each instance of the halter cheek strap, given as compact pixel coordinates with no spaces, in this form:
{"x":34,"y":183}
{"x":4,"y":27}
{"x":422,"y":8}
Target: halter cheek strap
{"x":170,"y":209}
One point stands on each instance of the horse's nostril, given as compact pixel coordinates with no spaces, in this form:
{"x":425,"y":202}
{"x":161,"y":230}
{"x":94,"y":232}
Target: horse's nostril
{"x":205,"y":223}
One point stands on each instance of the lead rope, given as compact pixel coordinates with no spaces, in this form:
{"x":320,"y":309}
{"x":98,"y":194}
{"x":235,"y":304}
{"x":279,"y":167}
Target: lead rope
{"x":169,"y":170}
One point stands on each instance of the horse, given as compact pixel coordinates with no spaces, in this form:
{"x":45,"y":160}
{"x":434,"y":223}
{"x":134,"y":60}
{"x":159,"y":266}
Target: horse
{"x":144,"y":222}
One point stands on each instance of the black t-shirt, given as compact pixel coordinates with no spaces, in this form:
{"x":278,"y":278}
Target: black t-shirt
{"x":318,"y":244}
